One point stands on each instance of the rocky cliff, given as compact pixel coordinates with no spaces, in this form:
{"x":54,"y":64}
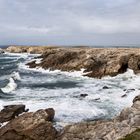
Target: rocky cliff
{"x":96,"y":62}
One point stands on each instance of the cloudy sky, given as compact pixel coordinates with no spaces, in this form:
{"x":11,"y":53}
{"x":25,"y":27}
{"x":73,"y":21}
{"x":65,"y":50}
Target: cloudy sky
{"x":70,"y":22}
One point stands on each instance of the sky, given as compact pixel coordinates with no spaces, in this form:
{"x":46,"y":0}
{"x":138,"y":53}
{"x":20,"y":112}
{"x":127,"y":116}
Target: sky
{"x":70,"y":22}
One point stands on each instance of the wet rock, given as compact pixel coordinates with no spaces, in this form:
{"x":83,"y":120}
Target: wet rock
{"x":30,"y":126}
{"x":32,"y":64}
{"x":124,"y":95}
{"x":97,"y":99}
{"x":105,"y":87}
{"x":10,"y":112}
{"x":83,"y":95}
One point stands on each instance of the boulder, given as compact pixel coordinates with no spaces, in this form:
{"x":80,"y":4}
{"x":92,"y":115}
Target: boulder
{"x":10,"y":112}
{"x":30,"y":126}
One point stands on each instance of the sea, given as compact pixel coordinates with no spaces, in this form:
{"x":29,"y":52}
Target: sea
{"x":74,"y":97}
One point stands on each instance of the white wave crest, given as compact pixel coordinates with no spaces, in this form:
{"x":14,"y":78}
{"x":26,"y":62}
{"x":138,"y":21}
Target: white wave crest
{"x":10,"y":86}
{"x":16,"y":76}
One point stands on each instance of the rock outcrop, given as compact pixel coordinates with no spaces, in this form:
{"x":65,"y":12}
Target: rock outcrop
{"x":28,"y":49}
{"x":11,"y":111}
{"x":30,"y":126}
{"x":127,"y":122}
{"x":96,"y":62}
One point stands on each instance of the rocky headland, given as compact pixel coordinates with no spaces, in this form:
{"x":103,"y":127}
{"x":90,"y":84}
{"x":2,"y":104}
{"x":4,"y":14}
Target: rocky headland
{"x":39,"y":125}
{"x":96,"y":62}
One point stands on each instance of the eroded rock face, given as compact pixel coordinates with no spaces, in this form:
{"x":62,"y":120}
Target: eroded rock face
{"x":127,"y":122}
{"x":30,"y":126}
{"x":10,"y":112}
{"x":96,"y":62}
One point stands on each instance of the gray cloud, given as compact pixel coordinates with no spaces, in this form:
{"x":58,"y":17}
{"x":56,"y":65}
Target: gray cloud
{"x":70,"y":22}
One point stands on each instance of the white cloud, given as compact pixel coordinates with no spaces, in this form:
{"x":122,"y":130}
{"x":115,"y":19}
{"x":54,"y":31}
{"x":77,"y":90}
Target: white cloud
{"x":105,"y":26}
{"x":52,"y":19}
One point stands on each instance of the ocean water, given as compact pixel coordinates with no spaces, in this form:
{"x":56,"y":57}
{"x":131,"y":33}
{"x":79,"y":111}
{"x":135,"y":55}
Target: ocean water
{"x":39,"y":89}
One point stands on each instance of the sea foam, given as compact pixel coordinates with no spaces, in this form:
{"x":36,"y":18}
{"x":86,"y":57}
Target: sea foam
{"x":10,"y":86}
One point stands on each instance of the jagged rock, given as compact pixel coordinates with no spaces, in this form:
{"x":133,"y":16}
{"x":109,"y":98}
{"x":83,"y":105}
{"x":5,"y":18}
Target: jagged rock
{"x":10,"y":112}
{"x":127,"y":122}
{"x":96,"y":62}
{"x":30,"y":126}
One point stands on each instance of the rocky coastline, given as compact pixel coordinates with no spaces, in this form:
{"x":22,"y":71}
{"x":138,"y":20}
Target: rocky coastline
{"x":19,"y":124}
{"x":96,"y":62}
{"x":23,"y":125}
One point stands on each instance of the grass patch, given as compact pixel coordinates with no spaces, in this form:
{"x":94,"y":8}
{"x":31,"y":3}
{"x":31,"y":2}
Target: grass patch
{"x":133,"y":136}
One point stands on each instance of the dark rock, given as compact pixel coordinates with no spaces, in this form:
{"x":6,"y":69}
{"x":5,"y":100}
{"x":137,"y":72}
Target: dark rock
{"x":137,"y":98}
{"x":83,"y":95}
{"x":10,"y":112}
{"x":97,"y":99}
{"x":32,"y":64}
{"x":30,"y":126}
{"x":105,"y":87}
{"x":129,"y":90}
{"x":51,"y":113}
{"x":124,"y":95}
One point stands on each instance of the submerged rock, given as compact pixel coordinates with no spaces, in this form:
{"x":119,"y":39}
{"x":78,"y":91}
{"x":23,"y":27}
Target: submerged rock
{"x":10,"y":112}
{"x":30,"y":126}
